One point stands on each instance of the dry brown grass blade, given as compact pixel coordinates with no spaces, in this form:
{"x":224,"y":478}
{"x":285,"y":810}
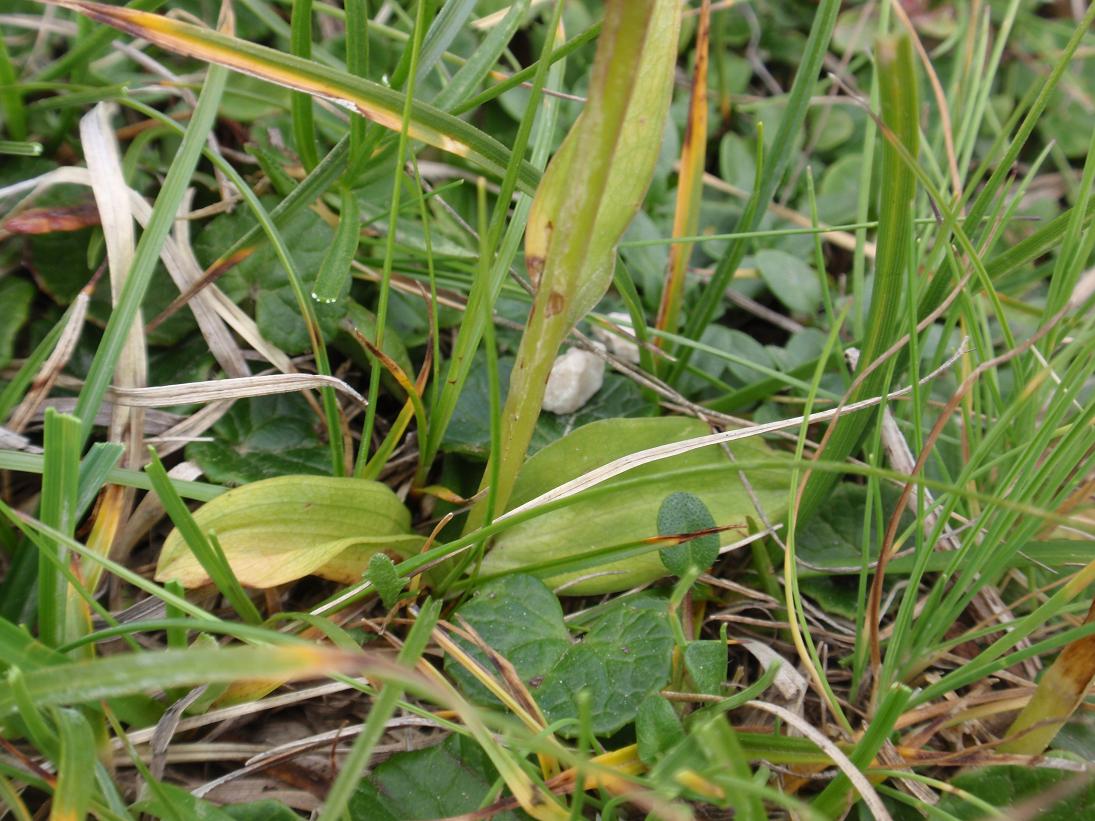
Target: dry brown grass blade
{"x":217,"y":269}
{"x":104,"y":166}
{"x":213,"y":328}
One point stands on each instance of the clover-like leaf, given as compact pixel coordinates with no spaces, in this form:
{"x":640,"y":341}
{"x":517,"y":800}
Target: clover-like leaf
{"x":657,"y":728}
{"x":261,"y":438}
{"x":685,"y":513}
{"x":623,"y":658}
{"x":382,"y":573}
{"x":706,"y":663}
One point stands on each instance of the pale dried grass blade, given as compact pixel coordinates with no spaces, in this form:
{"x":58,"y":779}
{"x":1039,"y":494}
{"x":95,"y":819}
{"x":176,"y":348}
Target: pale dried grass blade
{"x":219,"y":389}
{"x":174,"y":259}
{"x":792,"y":685}
{"x":191,"y":428}
{"x":10,"y":440}
{"x":217,"y":336}
{"x":54,"y":364}
{"x":104,"y":168}
{"x":237,"y":711}
{"x":155,"y":421}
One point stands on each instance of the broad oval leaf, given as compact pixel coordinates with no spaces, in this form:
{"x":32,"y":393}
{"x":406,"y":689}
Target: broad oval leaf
{"x":277,"y":530}
{"x":628,"y":513}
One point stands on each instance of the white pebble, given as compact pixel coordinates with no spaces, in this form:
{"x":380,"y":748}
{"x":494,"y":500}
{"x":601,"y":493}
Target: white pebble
{"x":575,"y":377}
{"x":621,"y":346}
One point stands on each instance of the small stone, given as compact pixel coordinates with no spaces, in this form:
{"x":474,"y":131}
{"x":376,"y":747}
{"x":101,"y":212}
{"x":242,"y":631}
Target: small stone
{"x":621,"y":346}
{"x":575,"y":377}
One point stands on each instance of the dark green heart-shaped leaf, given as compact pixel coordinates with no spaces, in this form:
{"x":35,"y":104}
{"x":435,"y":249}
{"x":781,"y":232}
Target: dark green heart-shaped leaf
{"x":520,"y":618}
{"x":452,"y":778}
{"x":624,"y":658}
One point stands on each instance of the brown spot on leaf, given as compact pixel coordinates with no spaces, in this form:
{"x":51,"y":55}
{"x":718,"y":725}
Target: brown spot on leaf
{"x":53,"y":220}
{"x":555,"y":304}
{"x":535,"y":266}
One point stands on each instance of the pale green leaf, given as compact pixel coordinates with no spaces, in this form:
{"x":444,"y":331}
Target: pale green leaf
{"x":627,"y":509}
{"x":278,"y":530}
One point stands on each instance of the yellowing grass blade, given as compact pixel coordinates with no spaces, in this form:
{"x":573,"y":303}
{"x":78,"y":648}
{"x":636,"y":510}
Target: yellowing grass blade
{"x":1061,"y":690}
{"x":89,"y":681}
{"x":371,"y":100}
{"x":689,"y":184}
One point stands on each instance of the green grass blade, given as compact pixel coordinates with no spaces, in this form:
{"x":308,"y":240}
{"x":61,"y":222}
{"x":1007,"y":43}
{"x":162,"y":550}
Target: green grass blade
{"x":1002,"y":164}
{"x":11,"y":99}
{"x":389,"y":244}
{"x":333,"y":279}
{"x":357,"y":63}
{"x":206,"y":549}
{"x":526,"y":74}
{"x":900,"y":114}
{"x":35,"y":463}
{"x":75,"y":768}
{"x":85,"y":682}
{"x":95,"y":469}
{"x":20,"y":148}
{"x":483,"y":59}
{"x":485,"y":290}
{"x":446,"y":27}
{"x":60,"y":483}
{"x":300,"y":103}
{"x":1075,"y":252}
{"x":338,"y":798}
{"x":834,"y":798}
